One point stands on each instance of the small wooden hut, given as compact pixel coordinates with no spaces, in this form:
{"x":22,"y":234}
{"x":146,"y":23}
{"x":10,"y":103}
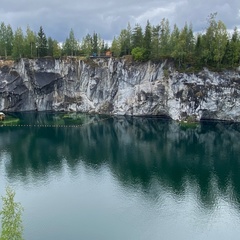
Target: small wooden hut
{"x":108,"y":53}
{"x":2,"y":116}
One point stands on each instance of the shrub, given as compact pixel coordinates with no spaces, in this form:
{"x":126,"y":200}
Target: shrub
{"x":11,"y":216}
{"x":139,"y":54}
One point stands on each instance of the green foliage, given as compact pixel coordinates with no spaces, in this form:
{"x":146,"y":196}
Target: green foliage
{"x":18,"y":44}
{"x":148,"y":40}
{"x":166,"y":73}
{"x":2,"y":39}
{"x":9,"y":120}
{"x":174,"y":38}
{"x":11,"y":216}
{"x":164,"y":38}
{"x":56,"y":50}
{"x":189,"y":122}
{"x":198,"y":50}
{"x":155,"y":43}
{"x":30,"y":44}
{"x":86,"y":45}
{"x":232,"y":51}
{"x":214,"y":48}
{"x":139,"y":54}
{"x":116,"y":48}
{"x":183,"y":44}
{"x":49,"y":46}
{"x":125,"y":41}
{"x":220,"y":42}
{"x":41,"y":43}
{"x":214,"y":42}
{"x":70,"y":46}
{"x":188,"y":125}
{"x":6,"y":40}
{"x":137,"y":36}
{"x":93,"y":45}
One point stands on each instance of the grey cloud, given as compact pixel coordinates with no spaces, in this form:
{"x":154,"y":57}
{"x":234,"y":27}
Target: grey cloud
{"x":108,"y":17}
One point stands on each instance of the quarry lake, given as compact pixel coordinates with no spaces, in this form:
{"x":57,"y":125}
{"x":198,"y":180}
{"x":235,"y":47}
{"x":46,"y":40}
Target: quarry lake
{"x":122,"y":178}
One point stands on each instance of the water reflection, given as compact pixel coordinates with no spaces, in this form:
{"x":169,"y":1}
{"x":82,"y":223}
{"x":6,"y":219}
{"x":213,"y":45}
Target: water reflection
{"x":142,"y":153}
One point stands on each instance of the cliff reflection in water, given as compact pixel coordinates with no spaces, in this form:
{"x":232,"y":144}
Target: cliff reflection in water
{"x":139,"y":151}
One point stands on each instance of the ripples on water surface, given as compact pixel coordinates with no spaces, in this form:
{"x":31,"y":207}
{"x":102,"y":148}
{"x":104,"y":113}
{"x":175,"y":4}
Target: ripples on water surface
{"x":123,"y":178}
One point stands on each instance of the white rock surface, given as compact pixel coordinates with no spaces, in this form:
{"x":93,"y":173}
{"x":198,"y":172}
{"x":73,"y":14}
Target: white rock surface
{"x":110,"y":86}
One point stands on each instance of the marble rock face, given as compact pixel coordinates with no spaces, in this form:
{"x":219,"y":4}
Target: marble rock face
{"x":120,"y":87}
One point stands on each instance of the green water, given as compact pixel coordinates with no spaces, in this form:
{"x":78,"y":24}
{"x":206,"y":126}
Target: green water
{"x":97,"y":177}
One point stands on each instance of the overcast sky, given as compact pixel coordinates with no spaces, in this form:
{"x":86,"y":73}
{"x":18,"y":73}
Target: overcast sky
{"x":108,"y":17}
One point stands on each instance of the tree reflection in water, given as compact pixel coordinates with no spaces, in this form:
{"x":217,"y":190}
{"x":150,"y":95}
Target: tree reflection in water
{"x":139,"y":151}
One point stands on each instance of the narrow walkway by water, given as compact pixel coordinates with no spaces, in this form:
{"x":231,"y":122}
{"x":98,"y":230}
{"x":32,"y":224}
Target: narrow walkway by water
{"x":54,"y":125}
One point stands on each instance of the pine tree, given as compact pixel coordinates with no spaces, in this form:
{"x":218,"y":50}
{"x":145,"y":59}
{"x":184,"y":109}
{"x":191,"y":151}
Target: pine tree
{"x":198,"y":50}
{"x":95,"y":44}
{"x":235,"y":46}
{"x":137,"y":37}
{"x":228,"y":59}
{"x":155,"y":44}
{"x":164,"y":38}
{"x":41,"y":43}
{"x":174,"y":43}
{"x":70,"y":47}
{"x":148,"y":40}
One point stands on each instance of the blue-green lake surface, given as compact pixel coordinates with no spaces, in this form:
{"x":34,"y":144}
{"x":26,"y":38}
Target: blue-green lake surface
{"x":121,"y":178}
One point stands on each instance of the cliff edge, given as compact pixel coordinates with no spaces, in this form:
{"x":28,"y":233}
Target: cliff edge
{"x":117,"y":86}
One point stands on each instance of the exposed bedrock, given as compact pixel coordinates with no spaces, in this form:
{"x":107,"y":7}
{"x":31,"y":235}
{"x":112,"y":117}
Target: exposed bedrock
{"x":113,"y":86}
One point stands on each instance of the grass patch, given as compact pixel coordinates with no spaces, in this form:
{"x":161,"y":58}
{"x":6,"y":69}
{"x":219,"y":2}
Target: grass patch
{"x":166,"y":73}
{"x":187,"y":125}
{"x":189,"y":122}
{"x":9,"y":121}
{"x":73,"y":118}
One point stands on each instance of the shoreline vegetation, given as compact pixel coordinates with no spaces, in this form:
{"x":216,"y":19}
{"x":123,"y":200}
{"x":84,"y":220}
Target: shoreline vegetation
{"x":214,"y":48}
{"x":11,"y":217}
{"x":78,"y":119}
{"x":9,"y":120}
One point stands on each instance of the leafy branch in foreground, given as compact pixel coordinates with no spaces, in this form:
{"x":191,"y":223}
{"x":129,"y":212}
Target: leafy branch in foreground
{"x":11,"y":217}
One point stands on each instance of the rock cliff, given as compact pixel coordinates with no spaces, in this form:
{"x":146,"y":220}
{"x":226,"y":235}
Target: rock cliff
{"x":111,"y":86}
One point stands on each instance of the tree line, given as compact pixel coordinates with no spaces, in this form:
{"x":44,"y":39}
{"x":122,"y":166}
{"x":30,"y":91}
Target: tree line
{"x":18,"y":44}
{"x":214,"y":47}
